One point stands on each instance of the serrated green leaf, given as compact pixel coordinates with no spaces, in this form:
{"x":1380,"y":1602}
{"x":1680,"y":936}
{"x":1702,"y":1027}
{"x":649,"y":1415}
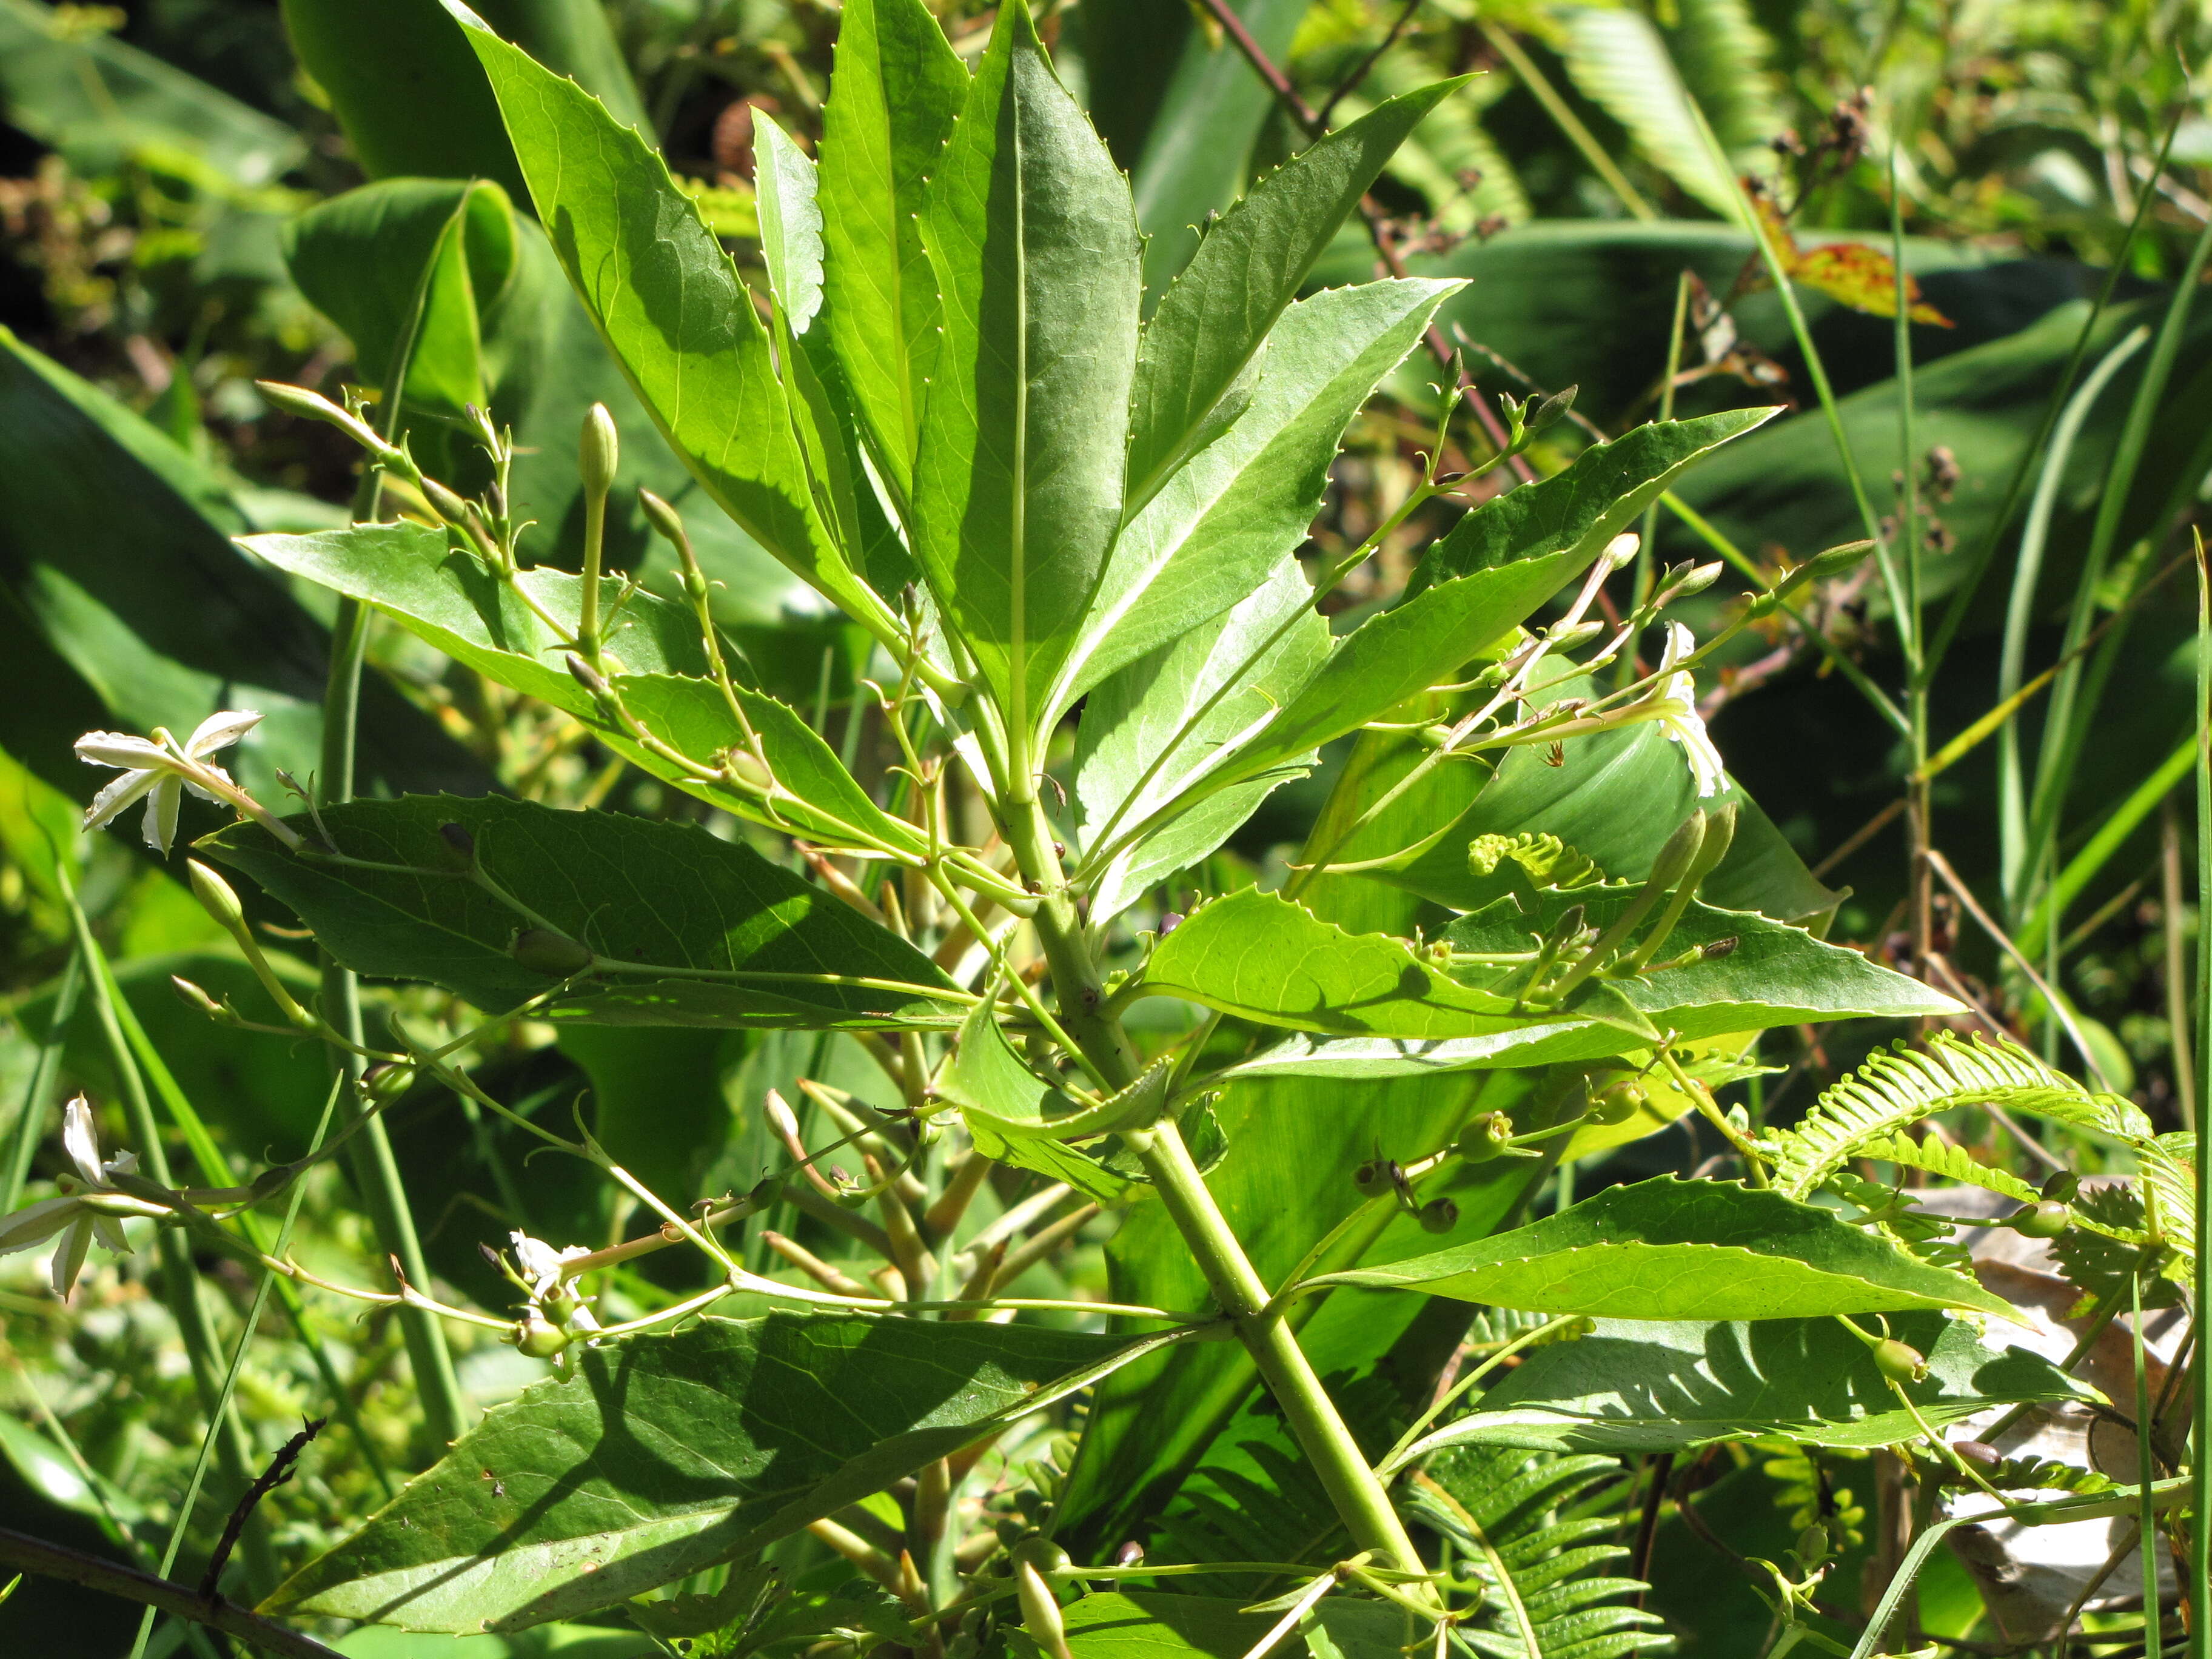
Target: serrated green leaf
{"x":1233,"y":514}
{"x":672,"y":308}
{"x":1602,"y":492}
{"x":790,"y":221}
{"x":1153,"y":729}
{"x":666,"y":1453}
{"x":1773,"y":974}
{"x":1215,"y":319}
{"x":1647,"y":1386}
{"x":1264,"y":959}
{"x":897,"y":89}
{"x":999,"y":1098}
{"x":449,"y":599}
{"x":1672,"y":1249}
{"x":1018,"y":488}
{"x":722,"y":937}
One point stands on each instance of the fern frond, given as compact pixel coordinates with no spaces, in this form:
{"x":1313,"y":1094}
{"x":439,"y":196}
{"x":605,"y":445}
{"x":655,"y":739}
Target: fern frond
{"x":2168,"y":1164}
{"x":1896,"y":1090}
{"x":1722,"y":55}
{"x":1941,"y":1157}
{"x":1549,"y":1597}
{"x":1616,"y":59}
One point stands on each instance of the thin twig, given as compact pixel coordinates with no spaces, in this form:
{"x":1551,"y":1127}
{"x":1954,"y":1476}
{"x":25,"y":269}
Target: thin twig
{"x":36,"y":1555}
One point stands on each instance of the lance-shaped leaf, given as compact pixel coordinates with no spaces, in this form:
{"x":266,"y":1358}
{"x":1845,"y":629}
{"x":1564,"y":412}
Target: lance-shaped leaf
{"x":666,"y":1454}
{"x":1017,"y":490}
{"x":1148,"y":1624}
{"x":1005,"y":1103}
{"x":1233,"y":514}
{"x":1164,"y":722}
{"x":897,"y":89}
{"x":1667,"y":1248}
{"x":1535,"y":1042}
{"x":790,"y":222}
{"x":1601,"y":494}
{"x":451,"y":600}
{"x":673,"y":312}
{"x":1216,"y":317}
{"x":1264,"y":959}
{"x":1646,"y":1386}
{"x":682,"y":928}
{"x":1763,"y":973}
{"x":1404,"y":651}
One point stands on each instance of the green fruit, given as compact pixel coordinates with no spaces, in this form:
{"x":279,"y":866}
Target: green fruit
{"x":540,"y":1339}
{"x":384,"y":1083}
{"x":1617,"y":1105}
{"x":554,"y":955}
{"x":2045,"y":1220}
{"x":1900,"y":1362}
{"x":1439,"y":1217}
{"x":1369,"y":1178}
{"x":1039,"y":1552}
{"x":1483,"y":1139}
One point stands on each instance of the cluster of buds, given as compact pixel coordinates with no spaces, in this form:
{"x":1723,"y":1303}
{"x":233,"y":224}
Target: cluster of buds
{"x":557,"y":1316}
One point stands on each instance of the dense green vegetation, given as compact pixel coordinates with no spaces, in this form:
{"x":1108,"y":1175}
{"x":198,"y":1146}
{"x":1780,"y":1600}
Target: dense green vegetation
{"x":1113,"y":829}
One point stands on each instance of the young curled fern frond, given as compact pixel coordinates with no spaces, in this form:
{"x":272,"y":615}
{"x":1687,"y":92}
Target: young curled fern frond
{"x":1894,"y":1091}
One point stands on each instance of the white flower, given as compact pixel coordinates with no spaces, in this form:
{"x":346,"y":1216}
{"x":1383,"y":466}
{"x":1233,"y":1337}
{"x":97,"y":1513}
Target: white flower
{"x":157,"y":768}
{"x":77,"y":1222}
{"x":1673,"y":704}
{"x":541,"y":1264}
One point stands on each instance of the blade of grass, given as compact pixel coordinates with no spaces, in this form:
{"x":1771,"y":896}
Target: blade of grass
{"x":1962,"y":595}
{"x":2073,"y":709}
{"x":2082,"y":869}
{"x":1563,"y":117}
{"x":2199,"y":1380}
{"x":2177,"y":963}
{"x":2020,"y":614}
{"x":237,"y":1364}
{"x":32,"y":1115}
{"x":180,"y":1280}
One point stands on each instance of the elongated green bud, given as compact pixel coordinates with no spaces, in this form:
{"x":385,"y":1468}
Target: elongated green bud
{"x":666,"y":522}
{"x":1039,"y":1552}
{"x":1041,"y":1613}
{"x":1550,"y":410}
{"x":217,"y":897}
{"x":456,"y":849}
{"x":447,"y":501}
{"x":387,"y":1083}
{"x":313,"y":406}
{"x":554,"y":955}
{"x":1678,"y":855}
{"x":600,"y":451}
{"x":197,"y":997}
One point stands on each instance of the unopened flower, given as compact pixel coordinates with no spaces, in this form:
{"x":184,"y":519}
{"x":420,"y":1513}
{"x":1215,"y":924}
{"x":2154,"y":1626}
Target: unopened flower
{"x":159,"y":769}
{"x":77,"y":1222}
{"x":1673,"y":704}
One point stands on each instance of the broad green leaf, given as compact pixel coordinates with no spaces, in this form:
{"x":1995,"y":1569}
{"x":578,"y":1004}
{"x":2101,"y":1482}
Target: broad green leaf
{"x":1532,"y":1042}
{"x":707,"y":931}
{"x":1618,"y":797}
{"x":1769,"y":972}
{"x":1648,"y":1386}
{"x":1161,"y":724}
{"x":1266,"y":959}
{"x":450,"y":600}
{"x":128,"y":607}
{"x":1602,"y":492}
{"x":1401,"y":653}
{"x":1232,"y":514}
{"x":360,"y":259}
{"x":1286,"y":1183}
{"x":897,"y":89}
{"x":664,"y":1455}
{"x":412,"y":97}
{"x":103,"y":103}
{"x":657,"y":1101}
{"x":672,"y":308}
{"x":1672,"y":1249}
{"x":1216,"y":319}
{"x":1153,"y":1625}
{"x":1017,"y":490}
{"x":790,"y":221}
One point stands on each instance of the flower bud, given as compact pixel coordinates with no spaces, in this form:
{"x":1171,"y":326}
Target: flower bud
{"x":1040,"y":1611}
{"x":554,"y":955}
{"x":1483,"y":1139}
{"x":765,"y":1192}
{"x":1813,"y":1545}
{"x":1678,"y":853}
{"x":598,"y":451}
{"x":540,"y":1337}
{"x":196,"y":997}
{"x":2046,"y":1218}
{"x":2063,"y":1185}
{"x":1548,"y":413}
{"x":1899,"y":1362}
{"x":666,"y":522}
{"x":743,"y":770}
{"x":446,"y":502}
{"x":384,"y":1083}
{"x":1440,"y":1216}
{"x":1564,"y":930}
{"x":456,"y":849}
{"x":1039,"y":1552}
{"x":781,"y":1117}
{"x":313,"y":406}
{"x":1978,"y":1451}
{"x":217,"y":897}
{"x":1129,"y":1555}
{"x":586,"y":676}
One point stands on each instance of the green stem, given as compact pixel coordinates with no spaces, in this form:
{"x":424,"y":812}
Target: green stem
{"x":31,"y":1116}
{"x":2200,"y":1379}
{"x":375,"y":1170}
{"x":1357,"y":1496}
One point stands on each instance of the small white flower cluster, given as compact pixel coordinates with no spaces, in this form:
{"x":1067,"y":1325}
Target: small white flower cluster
{"x":77,"y":1222}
